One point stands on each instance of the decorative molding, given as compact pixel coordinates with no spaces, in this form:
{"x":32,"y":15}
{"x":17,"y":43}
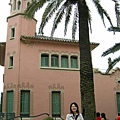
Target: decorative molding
{"x":8,"y":54}
{"x":117,"y":76}
{"x":59,"y":52}
{"x":117,"y":88}
{"x":14,"y":52}
{"x":9,"y":86}
{"x":31,"y":102}
{"x":115,"y":103}
{"x":56,"y":87}
{"x":11,"y":54}
{"x":4,"y":102}
{"x":25,"y":86}
{"x":44,"y":51}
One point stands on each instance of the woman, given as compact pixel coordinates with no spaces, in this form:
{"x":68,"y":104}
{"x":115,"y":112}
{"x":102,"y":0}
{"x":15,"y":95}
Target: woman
{"x":74,"y":112}
{"x":103,"y":116}
{"x":98,"y":116}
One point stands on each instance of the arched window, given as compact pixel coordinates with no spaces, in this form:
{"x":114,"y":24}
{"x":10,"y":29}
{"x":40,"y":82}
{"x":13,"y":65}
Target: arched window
{"x":45,"y":60}
{"x":28,"y":4}
{"x":19,"y":5}
{"x":74,"y":61}
{"x":54,"y":61}
{"x":14,"y":5}
{"x":11,"y":7}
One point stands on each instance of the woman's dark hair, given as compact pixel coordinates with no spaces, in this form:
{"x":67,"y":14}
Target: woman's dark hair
{"x":103,"y":116}
{"x":98,"y":114}
{"x":77,"y":111}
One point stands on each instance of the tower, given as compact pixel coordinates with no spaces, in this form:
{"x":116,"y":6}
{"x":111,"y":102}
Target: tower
{"x":17,"y":26}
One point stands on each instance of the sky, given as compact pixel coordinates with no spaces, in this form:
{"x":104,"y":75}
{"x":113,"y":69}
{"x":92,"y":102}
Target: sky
{"x":99,"y":33}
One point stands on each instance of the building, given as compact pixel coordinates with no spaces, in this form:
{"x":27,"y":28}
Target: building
{"x":41,"y":73}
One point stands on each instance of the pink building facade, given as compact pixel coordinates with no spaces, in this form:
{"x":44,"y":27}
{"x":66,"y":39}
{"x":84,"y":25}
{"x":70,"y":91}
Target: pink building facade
{"x":42,"y":73}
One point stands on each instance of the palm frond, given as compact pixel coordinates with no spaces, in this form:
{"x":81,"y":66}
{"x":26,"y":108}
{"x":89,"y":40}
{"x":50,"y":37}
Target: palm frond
{"x":102,"y":12}
{"x":58,"y":17}
{"x":113,"y":49}
{"x":48,"y":13}
{"x":112,"y":64}
{"x":33,"y":7}
{"x":117,"y":12}
{"x":67,"y":17}
{"x":114,"y":29}
{"x":75,"y":21}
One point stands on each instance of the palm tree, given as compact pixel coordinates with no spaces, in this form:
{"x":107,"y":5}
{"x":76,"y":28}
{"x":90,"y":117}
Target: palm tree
{"x":81,"y":20}
{"x":112,"y":63}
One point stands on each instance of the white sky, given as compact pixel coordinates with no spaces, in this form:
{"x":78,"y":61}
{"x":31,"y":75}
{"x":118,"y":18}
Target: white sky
{"x":99,"y":33}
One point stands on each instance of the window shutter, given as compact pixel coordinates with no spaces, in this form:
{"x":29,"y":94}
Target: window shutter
{"x":56,"y":107}
{"x":64,"y":61}
{"x":74,"y":62}
{"x":54,"y":61}
{"x":25,"y":102}
{"x":118,"y":102}
{"x":9,"y":102}
{"x":45,"y":60}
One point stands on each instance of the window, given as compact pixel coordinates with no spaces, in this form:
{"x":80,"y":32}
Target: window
{"x":11,"y":62}
{"x":12,"y":32}
{"x":54,"y":61}
{"x":44,"y":60}
{"x":118,"y":102}
{"x":9,"y":104}
{"x":28,"y":4}
{"x":64,"y":61}
{"x":56,"y":104}
{"x":11,"y":8}
{"x":19,"y":5}
{"x":25,"y":103}
{"x":74,"y":62}
{"x":14,"y":5}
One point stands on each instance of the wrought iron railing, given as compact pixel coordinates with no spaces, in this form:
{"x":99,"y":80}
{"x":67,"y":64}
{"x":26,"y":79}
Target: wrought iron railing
{"x":6,"y":116}
{"x":11,"y":116}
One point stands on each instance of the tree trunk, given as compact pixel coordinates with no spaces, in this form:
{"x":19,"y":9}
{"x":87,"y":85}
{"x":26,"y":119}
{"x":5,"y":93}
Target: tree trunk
{"x":86,"y":69}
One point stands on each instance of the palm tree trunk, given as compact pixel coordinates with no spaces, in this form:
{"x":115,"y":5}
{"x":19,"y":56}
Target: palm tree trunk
{"x":86,"y":69}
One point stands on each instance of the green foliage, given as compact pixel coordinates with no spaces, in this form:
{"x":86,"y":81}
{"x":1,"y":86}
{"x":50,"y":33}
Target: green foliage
{"x":112,"y":63}
{"x":116,"y":47}
{"x":61,"y":8}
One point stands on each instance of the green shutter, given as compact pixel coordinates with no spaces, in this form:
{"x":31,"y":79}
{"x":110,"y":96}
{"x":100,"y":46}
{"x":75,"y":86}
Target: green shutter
{"x":25,"y":102}
{"x":74,"y":62}
{"x":9,"y":107}
{"x":64,"y":62}
{"x":118,"y":102}
{"x":54,"y":61}
{"x":44,"y":60}
{"x":56,"y":106}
